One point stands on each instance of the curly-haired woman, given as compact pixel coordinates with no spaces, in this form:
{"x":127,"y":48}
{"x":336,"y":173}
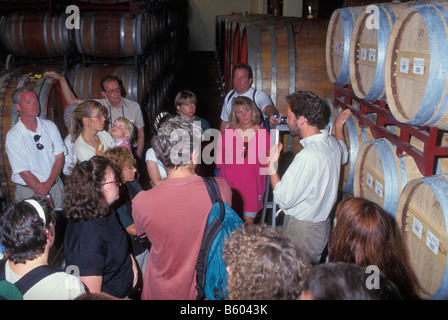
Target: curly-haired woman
{"x":262,"y":264}
{"x":95,"y":241}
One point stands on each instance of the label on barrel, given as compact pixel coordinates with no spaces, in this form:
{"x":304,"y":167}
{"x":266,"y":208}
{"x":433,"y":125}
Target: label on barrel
{"x":404,"y":65}
{"x":336,"y":46}
{"x":379,"y":189}
{"x":432,"y":242}
{"x":369,"y":180}
{"x":363,"y":55}
{"x":372,"y":54}
{"x":419,"y":66}
{"x":417,"y":228}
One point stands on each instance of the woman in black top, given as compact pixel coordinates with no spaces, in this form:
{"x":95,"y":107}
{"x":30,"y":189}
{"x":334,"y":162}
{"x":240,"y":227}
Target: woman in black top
{"x":95,"y":242}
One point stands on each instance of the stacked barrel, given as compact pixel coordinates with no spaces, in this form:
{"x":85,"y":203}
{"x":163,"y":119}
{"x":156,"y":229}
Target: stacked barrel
{"x":143,"y":47}
{"x":396,"y":53}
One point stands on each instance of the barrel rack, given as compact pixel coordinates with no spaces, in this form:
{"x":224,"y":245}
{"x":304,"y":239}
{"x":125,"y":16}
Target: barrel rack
{"x":429,"y":135}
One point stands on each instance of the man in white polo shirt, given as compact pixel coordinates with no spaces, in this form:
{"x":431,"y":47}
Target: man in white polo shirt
{"x":35,"y":151}
{"x":308,"y":189}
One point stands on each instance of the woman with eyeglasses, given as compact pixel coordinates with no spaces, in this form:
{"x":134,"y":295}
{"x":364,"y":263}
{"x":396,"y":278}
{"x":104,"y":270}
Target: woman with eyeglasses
{"x":125,"y":165}
{"x":242,"y":157}
{"x":95,"y":243}
{"x":88,"y":130}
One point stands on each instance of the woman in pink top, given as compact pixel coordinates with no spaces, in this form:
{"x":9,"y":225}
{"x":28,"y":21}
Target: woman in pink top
{"x":242,"y":157}
{"x":173,"y":215}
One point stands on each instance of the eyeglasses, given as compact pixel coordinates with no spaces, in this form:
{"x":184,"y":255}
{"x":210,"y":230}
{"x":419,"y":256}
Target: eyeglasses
{"x":112,"y":91}
{"x":39,"y":145}
{"x":116,"y":182}
{"x":98,"y":116}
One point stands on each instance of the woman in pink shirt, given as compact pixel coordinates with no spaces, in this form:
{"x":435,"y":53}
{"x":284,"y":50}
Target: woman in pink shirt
{"x":242,"y":157}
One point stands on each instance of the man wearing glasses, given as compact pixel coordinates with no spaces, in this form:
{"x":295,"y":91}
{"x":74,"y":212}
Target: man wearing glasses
{"x":117,"y":105}
{"x":35,"y":151}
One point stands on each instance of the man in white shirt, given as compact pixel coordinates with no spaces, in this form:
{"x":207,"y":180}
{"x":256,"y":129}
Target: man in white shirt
{"x":116,"y":105}
{"x":35,"y":151}
{"x":242,"y":81}
{"x":308,"y":189}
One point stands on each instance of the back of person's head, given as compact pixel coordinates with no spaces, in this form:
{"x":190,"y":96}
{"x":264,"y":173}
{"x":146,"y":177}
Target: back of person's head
{"x":346,"y":281}
{"x":83,"y":191}
{"x":160,"y":118}
{"x":263,"y":264}
{"x":310,"y":106}
{"x":184,"y":97}
{"x":175,"y":141}
{"x":364,"y":235}
{"x":84,"y":110}
{"x":24,"y":225}
{"x":244,"y":102}
{"x":121,"y":158}
{"x":245,"y":66}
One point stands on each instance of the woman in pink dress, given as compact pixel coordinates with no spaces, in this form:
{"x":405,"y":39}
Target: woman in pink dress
{"x":242,"y":157}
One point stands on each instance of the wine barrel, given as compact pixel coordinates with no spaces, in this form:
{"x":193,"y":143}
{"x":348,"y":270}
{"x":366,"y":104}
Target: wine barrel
{"x":355,"y":135}
{"x":337,"y":48}
{"x":36,"y":34}
{"x":85,"y":81}
{"x":422,"y":217}
{"x":380,"y":174}
{"x":52,"y":106}
{"x":368,"y":48}
{"x":416,"y":66}
{"x":112,"y":34}
{"x":286,"y":55}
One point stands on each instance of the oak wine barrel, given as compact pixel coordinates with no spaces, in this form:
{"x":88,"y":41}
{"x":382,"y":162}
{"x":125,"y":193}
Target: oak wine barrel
{"x":422,"y":221}
{"x":36,"y":34}
{"x":112,"y":34}
{"x":416,"y":66}
{"x":368,"y":47}
{"x":85,"y":81}
{"x":380,"y":175}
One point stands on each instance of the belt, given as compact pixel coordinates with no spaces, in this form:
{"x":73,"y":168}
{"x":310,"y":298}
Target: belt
{"x":25,"y":186}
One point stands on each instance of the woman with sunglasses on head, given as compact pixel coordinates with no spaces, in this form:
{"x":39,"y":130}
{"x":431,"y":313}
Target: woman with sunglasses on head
{"x":241,"y":156}
{"x":88,"y":130}
{"x":95,"y":242}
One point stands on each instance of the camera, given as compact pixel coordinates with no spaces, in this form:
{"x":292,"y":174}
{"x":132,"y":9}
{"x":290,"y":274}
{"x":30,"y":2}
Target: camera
{"x":282,"y":119}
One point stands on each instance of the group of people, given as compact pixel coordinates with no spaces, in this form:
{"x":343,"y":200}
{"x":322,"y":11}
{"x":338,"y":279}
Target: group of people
{"x":126,"y":242}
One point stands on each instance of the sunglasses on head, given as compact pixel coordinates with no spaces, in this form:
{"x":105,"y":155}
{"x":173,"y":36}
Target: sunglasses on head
{"x":39,"y":145}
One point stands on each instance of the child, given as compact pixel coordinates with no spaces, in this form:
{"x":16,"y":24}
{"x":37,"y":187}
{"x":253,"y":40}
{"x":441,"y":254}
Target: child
{"x":121,"y":131}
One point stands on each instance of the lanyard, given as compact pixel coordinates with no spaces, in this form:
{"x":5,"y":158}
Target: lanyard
{"x":110,"y":112}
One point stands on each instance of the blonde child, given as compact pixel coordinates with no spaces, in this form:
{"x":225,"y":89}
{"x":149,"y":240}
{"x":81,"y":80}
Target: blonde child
{"x":122,"y":131}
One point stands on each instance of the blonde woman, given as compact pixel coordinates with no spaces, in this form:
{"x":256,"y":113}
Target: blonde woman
{"x":242,"y":153}
{"x":87,"y":128}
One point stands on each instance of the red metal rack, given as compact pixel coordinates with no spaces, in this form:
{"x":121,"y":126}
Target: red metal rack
{"x":425,"y":160}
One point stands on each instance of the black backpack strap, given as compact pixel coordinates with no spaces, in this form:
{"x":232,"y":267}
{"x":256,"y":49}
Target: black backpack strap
{"x":210,"y":233}
{"x":30,"y":279}
{"x":215,"y":194}
{"x":231,"y":95}
{"x":2,"y":270}
{"x":33,"y":277}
